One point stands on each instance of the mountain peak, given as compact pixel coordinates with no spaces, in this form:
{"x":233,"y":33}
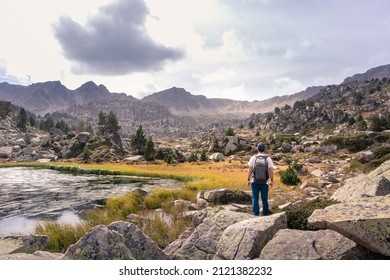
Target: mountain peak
{"x":88,"y":86}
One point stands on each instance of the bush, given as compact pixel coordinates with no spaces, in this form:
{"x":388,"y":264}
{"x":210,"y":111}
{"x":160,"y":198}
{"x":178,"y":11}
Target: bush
{"x":289,"y":177}
{"x":353,"y":144}
{"x":297,"y":216}
{"x":229,"y":132}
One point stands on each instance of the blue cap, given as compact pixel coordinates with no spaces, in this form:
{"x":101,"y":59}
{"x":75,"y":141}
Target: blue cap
{"x":261,"y":147}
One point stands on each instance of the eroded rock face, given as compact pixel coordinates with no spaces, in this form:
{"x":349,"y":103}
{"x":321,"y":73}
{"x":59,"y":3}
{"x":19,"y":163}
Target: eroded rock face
{"x":365,"y":221}
{"x":245,"y":240}
{"x":202,"y":244}
{"x":291,"y":244}
{"x":376,"y":183}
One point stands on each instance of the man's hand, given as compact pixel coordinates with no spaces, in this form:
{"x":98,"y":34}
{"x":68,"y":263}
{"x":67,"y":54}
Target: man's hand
{"x":271,"y":184}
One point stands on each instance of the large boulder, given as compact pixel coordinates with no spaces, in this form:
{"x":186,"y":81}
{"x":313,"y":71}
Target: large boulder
{"x":202,"y":244}
{"x":365,"y":156}
{"x":376,"y":183}
{"x":22,"y":244}
{"x":291,"y":244}
{"x":225,"y":196}
{"x":245,"y":240}
{"x":118,"y":241}
{"x":5,"y":152}
{"x":365,"y":221}
{"x":217,"y":157}
{"x":83,"y":137}
{"x":99,"y":244}
{"x":139,"y":244}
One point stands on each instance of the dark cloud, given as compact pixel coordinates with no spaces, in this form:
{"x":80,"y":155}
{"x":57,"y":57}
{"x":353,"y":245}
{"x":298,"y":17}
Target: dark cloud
{"x":114,"y":42}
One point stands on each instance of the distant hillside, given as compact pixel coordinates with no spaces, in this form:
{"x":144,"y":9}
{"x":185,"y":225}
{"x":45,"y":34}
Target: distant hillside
{"x":350,"y":106}
{"x":181,"y":102}
{"x":42,"y":98}
{"x":155,"y":119}
{"x":374,"y":73}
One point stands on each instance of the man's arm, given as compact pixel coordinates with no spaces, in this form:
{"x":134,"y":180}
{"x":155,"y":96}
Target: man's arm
{"x":250,"y":170}
{"x":271,"y":176}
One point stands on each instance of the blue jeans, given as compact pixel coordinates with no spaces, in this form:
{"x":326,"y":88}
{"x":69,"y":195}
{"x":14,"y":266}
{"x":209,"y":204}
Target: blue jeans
{"x":256,"y":189}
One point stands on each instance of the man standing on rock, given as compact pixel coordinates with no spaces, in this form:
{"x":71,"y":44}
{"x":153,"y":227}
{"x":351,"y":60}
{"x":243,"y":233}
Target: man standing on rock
{"x":260,"y":171}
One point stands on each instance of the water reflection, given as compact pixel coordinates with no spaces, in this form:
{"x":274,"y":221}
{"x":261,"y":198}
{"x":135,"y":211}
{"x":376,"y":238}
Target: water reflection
{"x":29,"y":196}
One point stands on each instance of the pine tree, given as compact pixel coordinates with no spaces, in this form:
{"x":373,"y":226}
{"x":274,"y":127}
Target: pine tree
{"x":102,"y":120}
{"x":112,"y":123}
{"x":149,"y":149}
{"x":22,"y":120}
{"x":138,"y":141}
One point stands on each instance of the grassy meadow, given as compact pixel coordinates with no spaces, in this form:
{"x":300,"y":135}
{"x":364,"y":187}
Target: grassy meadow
{"x":194,"y":176}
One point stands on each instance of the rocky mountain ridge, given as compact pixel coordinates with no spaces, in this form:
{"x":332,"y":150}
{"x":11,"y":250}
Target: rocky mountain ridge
{"x":47,"y":97}
{"x":379,"y":72}
{"x":343,"y":106}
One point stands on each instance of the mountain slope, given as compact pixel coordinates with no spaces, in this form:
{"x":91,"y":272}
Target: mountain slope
{"x":181,"y":102}
{"x":374,"y":73}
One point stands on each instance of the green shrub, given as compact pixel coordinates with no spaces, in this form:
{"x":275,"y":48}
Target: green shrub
{"x":289,"y":177}
{"x":297,"y":215}
{"x":353,"y":144}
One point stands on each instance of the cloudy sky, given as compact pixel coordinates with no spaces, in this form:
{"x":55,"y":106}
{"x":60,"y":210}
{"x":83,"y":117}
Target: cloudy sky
{"x":238,"y":49}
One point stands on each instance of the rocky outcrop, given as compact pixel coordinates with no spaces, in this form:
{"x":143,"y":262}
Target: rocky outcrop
{"x":376,"y":183}
{"x":290,"y":244}
{"x":365,"y":221}
{"x":245,"y":240}
{"x":203,"y":242}
{"x":118,"y":241}
{"x":22,"y":244}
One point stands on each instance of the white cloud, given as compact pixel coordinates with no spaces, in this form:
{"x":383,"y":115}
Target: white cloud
{"x":286,"y":85}
{"x":219,"y":75}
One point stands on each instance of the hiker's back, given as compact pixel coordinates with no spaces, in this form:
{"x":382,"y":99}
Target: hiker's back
{"x":260,"y":170}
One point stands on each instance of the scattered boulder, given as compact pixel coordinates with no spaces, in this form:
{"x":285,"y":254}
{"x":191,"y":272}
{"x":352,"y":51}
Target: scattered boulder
{"x":5,"y":152}
{"x":291,"y":244}
{"x":245,"y":240}
{"x":22,"y":244}
{"x":83,"y":137}
{"x":118,"y":241}
{"x":202,"y":244}
{"x":99,"y":244}
{"x":139,"y":244}
{"x":217,"y":157}
{"x":376,"y":183}
{"x":365,"y":156}
{"x":225,"y":196}
{"x":365,"y":221}
{"x":134,"y":159}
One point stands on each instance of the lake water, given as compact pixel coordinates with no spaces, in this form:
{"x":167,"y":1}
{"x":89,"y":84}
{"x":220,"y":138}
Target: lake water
{"x":29,"y":196}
